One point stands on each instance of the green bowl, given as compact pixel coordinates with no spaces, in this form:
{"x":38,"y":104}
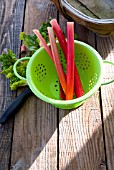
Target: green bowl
{"x":42,"y":77}
{"x":43,"y":80}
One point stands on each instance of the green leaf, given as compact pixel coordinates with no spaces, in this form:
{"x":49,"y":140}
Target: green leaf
{"x":8,"y":59}
{"x":30,"y":41}
{"x":43,"y":30}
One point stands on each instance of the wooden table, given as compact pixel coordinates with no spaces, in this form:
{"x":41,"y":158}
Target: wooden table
{"x":41,"y":137}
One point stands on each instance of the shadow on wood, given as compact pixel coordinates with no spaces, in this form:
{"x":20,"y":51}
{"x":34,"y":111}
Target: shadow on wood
{"x":94,"y":154}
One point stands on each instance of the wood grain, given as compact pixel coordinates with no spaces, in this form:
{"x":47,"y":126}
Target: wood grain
{"x":105,"y":47}
{"x":11,"y":19}
{"x":35,"y":141}
{"x":81,"y":145}
{"x":35,"y":128}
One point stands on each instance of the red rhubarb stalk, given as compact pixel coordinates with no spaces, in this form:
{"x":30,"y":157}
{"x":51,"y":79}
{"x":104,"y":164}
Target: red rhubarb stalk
{"x":60,"y":36}
{"x":56,"y":58}
{"x":70,"y":61}
{"x":78,"y":84}
{"x":63,"y":43}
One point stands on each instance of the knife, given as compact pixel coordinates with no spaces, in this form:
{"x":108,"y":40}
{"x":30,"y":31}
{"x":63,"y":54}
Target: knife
{"x":15,"y":106}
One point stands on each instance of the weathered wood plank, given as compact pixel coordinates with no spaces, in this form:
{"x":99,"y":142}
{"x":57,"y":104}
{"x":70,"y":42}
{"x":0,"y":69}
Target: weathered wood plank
{"x":81,"y":138}
{"x":35,"y":129}
{"x":11,"y":18}
{"x":81,"y":145}
{"x":105,"y":47}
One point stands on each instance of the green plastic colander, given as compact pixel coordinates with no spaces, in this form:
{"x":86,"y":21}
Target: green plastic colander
{"x":42,"y":79}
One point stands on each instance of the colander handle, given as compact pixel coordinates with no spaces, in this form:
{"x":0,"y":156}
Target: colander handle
{"x":112,"y":80}
{"x":15,"y":70}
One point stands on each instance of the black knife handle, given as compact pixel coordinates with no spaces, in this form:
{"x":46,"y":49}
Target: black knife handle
{"x":14,"y":106}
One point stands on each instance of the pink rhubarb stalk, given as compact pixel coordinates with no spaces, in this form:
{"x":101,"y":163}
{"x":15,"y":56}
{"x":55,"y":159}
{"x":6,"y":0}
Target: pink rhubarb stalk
{"x":43,"y":42}
{"x":63,"y":43}
{"x":70,"y":61}
{"x":56,"y":59}
{"x":23,"y":48}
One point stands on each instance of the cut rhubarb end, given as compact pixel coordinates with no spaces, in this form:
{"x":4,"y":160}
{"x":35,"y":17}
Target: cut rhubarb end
{"x":23,"y":48}
{"x":43,"y":43}
{"x":70,"y":61}
{"x":56,"y":59}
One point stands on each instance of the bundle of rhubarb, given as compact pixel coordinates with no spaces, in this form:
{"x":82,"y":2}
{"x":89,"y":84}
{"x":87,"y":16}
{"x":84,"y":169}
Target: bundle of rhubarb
{"x":70,"y":83}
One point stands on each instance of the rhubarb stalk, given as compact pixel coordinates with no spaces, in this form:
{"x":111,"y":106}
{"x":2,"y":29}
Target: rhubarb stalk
{"x":70,"y":61}
{"x":60,"y":36}
{"x":44,"y":44}
{"x":56,"y":58}
{"x":63,"y":43}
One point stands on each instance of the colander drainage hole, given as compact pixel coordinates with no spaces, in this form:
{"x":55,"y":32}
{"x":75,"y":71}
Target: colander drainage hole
{"x":56,"y":85}
{"x":60,"y":52}
{"x":40,"y":72}
{"x":82,"y":62}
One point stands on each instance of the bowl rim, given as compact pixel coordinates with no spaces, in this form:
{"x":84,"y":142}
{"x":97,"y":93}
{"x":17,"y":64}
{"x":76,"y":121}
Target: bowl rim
{"x":83,"y":16}
{"x":64,"y":102}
